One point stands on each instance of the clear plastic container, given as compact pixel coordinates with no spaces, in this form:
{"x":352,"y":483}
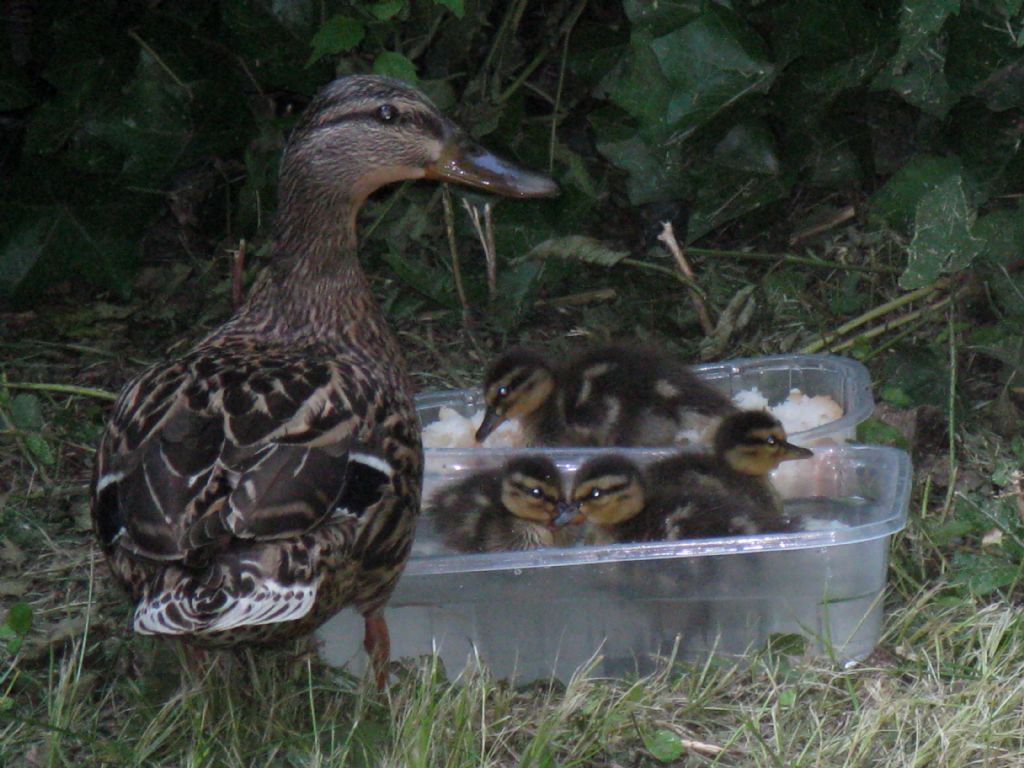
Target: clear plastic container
{"x":844,"y":380}
{"x":543,"y":613}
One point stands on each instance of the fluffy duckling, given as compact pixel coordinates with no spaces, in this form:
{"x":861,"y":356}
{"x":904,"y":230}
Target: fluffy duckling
{"x":511,"y":508}
{"x":689,"y":496}
{"x":610,"y":395}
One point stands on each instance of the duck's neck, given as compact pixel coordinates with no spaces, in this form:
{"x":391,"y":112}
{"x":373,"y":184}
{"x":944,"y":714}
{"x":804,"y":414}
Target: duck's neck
{"x":314,"y":292}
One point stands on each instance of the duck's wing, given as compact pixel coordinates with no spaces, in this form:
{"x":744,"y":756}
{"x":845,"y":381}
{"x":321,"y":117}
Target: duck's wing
{"x":211,"y":456}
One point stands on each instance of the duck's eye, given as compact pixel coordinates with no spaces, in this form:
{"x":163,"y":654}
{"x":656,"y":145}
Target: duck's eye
{"x":770,"y":440}
{"x":595,"y":493}
{"x":387,"y":113}
{"x":503,"y":391}
{"x":536,"y":493}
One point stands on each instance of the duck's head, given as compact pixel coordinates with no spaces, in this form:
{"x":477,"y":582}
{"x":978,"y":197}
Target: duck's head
{"x":754,"y":443}
{"x":531,"y":489}
{"x":516,"y":385}
{"x":364,"y":131}
{"x":607,"y":490}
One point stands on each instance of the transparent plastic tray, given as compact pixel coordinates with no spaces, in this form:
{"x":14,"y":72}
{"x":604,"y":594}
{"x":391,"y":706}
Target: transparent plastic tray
{"x":844,"y":380}
{"x":543,"y":613}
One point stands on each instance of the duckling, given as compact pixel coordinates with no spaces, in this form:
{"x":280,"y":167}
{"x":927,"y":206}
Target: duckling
{"x":613,"y":395}
{"x":271,"y":475}
{"x":511,"y":508}
{"x":689,"y":495}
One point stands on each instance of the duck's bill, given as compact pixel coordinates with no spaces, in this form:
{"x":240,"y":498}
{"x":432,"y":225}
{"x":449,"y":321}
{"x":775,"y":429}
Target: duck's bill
{"x":567,"y":513}
{"x":492,"y":420}
{"x":791,"y":452}
{"x":463,"y":161}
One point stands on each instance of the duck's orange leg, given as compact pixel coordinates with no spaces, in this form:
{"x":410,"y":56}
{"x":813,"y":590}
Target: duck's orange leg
{"x":377,"y":643}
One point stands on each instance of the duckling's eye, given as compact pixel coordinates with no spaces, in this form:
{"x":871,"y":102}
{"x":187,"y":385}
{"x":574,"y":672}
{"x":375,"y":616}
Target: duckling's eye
{"x":770,"y":440}
{"x":503,"y":391}
{"x":595,"y":493}
{"x":387,"y":113}
{"x":536,"y":493}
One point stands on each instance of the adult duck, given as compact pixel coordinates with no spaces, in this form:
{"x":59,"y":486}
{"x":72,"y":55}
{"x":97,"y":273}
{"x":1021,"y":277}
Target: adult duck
{"x":271,"y":476}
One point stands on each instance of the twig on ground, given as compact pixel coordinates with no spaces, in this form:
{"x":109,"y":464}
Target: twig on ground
{"x":668,"y":237}
{"x":789,"y":258}
{"x":485,"y":233}
{"x":890,"y":325}
{"x":839,"y":217}
{"x":577,"y":299}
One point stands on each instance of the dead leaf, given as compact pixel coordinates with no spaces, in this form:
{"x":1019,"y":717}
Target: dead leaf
{"x":13,"y":587}
{"x":11,"y":554}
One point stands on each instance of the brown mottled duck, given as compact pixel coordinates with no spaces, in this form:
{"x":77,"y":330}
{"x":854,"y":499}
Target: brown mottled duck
{"x":271,"y":476}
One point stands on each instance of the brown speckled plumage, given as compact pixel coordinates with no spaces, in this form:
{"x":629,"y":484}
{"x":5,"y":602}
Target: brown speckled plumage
{"x":271,"y":476}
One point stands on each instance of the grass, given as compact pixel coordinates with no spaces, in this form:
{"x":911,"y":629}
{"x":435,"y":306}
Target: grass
{"x":944,"y":687}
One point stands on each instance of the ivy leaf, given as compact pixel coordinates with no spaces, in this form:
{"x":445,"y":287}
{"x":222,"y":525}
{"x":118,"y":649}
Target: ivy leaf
{"x":664,"y":745}
{"x":40,"y":448}
{"x":896,"y":202}
{"x":578,"y":248}
{"x":19,"y":619}
{"x":26,"y":412}
{"x":395,"y":65}
{"x":943,"y":240}
{"x":458,"y":7}
{"x":386,"y":10}
{"x":336,"y":35}
{"x":711,"y":63}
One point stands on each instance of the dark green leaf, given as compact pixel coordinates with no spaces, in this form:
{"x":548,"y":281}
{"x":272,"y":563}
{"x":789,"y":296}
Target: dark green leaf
{"x":578,"y":248}
{"x":875,"y":431}
{"x":664,"y":745}
{"x":943,"y":240}
{"x":19,"y":618}
{"x":897,"y":201}
{"x":40,"y":448}
{"x":26,"y":412}
{"x":921,"y":82}
{"x":919,"y":20}
{"x":895,"y":395}
{"x":458,"y":7}
{"x":431,"y":282}
{"x":336,"y":35}
{"x":983,"y":574}
{"x":395,"y":65}
{"x":386,"y":10}
{"x":711,"y":63}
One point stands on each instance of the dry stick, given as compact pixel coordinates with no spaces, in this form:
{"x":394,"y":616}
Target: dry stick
{"x":237,"y":273}
{"x":449,"y":225}
{"x":485,"y":234}
{"x":668,"y":237}
{"x":839,"y":217}
{"x":67,"y":389}
{"x":871,"y":314}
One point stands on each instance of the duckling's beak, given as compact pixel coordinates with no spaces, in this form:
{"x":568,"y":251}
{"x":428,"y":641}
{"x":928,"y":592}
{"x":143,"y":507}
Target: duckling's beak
{"x":463,"y":161}
{"x":790,"y":451}
{"x":567,"y":513}
{"x":492,"y":420}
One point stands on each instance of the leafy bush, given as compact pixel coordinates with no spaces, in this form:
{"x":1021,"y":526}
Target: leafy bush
{"x":112,"y":109}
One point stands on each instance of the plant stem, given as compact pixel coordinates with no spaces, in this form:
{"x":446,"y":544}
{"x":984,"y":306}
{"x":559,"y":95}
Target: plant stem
{"x":449,"y":225}
{"x":878,"y":330}
{"x":827,"y":339}
{"x":789,"y":258}
{"x":67,"y":389}
{"x":648,"y":266}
